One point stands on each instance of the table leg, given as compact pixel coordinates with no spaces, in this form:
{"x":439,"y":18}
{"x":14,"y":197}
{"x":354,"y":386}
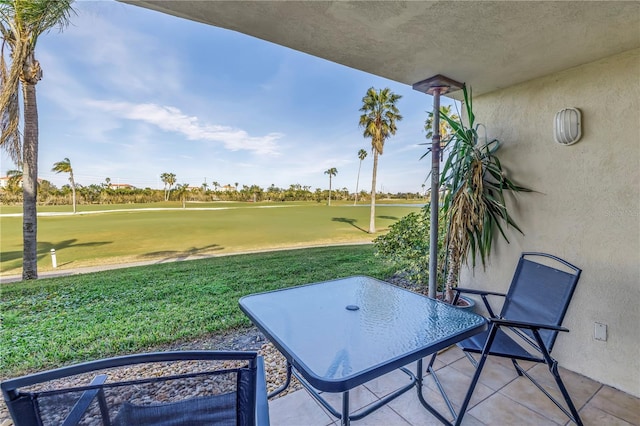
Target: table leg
{"x":345,"y":420}
{"x":424,"y":403}
{"x":285,"y":385}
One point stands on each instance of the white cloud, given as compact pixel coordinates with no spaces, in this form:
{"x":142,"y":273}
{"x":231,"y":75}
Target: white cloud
{"x":171,"y":119}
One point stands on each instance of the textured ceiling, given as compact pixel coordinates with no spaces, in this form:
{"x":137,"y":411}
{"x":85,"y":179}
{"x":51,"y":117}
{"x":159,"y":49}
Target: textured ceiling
{"x":489,"y":45}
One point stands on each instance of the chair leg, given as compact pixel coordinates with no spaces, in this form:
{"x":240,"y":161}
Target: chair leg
{"x":565,"y":393}
{"x":433,"y":374}
{"x":553,"y":369}
{"x":476,"y":376}
{"x":517,"y":367}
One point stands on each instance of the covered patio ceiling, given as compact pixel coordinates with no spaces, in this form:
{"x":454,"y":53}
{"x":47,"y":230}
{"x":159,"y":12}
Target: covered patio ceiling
{"x":487,"y":44}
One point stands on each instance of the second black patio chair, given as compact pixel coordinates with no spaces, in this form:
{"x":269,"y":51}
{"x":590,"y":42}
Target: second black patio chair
{"x":527,"y":326}
{"x":165,"y":388}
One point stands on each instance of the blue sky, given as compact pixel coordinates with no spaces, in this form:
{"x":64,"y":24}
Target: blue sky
{"x":130,"y":93}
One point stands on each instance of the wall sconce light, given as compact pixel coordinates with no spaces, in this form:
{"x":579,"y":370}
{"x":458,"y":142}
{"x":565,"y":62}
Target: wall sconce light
{"x":568,"y":126}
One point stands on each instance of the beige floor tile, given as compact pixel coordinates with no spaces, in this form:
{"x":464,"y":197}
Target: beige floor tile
{"x":517,"y":403}
{"x":437,"y":365}
{"x":469,"y":420}
{"x":390,"y":382}
{"x":449,"y":355}
{"x":297,"y":409}
{"x":409,"y":407}
{"x":507,"y":363}
{"x":500,"y":410}
{"x":456,"y":385}
{"x":592,"y":416}
{"x":580,"y":388}
{"x":618,"y":404}
{"x":384,"y":416}
{"x":524,"y":392}
{"x":495,"y":375}
{"x":359,"y":397}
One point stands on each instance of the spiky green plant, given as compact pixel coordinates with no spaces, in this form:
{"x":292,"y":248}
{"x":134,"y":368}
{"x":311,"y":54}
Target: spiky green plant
{"x":474,"y":202}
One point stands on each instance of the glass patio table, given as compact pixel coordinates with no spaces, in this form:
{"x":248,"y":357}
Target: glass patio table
{"x":339,"y":334}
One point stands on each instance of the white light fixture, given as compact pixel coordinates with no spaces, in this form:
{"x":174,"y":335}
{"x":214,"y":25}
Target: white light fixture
{"x":568,"y":126}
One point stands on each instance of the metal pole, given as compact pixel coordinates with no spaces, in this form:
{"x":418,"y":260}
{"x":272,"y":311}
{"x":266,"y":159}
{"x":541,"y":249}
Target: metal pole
{"x":435,"y":193}
{"x":54,"y":260}
{"x":435,"y":86}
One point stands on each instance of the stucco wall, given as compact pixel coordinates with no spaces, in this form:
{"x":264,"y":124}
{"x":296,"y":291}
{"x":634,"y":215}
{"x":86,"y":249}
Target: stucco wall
{"x":587,"y":209}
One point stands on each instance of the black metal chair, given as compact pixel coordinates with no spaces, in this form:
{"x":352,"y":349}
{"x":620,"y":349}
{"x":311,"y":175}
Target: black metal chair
{"x":533,"y":310}
{"x":165,"y":388}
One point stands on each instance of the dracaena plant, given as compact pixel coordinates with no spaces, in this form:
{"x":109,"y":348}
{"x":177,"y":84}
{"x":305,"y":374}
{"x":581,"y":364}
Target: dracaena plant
{"x":475,"y":185}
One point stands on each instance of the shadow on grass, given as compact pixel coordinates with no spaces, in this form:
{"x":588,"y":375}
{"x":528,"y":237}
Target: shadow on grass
{"x":182,"y":255}
{"x":388,"y":217}
{"x":350,"y":221}
{"x":44,"y":250}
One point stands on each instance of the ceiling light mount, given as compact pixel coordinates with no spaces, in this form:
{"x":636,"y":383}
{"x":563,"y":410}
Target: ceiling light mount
{"x":438,"y":83}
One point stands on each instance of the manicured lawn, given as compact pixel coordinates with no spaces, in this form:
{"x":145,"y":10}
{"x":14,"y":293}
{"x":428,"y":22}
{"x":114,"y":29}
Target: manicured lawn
{"x":139,"y":235}
{"x":52,"y":322}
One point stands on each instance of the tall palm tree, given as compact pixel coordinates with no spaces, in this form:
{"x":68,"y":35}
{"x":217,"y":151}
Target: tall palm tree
{"x":379,"y":118}
{"x":362,"y":154}
{"x":21,"y":23}
{"x":169,"y":179}
{"x":445,"y":128}
{"x":331,"y":172}
{"x":64,"y":166}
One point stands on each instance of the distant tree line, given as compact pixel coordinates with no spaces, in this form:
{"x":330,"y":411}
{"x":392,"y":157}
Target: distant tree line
{"x":105,"y":193}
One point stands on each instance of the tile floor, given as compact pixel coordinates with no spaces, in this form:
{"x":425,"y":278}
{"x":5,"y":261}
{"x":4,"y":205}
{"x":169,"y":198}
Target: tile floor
{"x":500,"y":398}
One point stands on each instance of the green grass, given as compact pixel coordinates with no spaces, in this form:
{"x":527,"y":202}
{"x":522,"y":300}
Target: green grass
{"x":52,"y":322}
{"x":119,"y":236}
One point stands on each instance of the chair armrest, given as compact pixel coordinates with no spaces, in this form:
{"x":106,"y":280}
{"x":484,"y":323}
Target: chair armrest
{"x":262,"y":404}
{"x":527,"y":325}
{"x":480,"y":292}
{"x":483,"y":294}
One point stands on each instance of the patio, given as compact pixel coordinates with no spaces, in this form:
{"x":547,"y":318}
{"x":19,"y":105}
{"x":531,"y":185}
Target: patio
{"x":501,"y":398}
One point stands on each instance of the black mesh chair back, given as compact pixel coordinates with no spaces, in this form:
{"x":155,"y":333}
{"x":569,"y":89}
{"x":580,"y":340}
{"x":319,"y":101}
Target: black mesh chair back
{"x":161,"y":389}
{"x":540,"y":293}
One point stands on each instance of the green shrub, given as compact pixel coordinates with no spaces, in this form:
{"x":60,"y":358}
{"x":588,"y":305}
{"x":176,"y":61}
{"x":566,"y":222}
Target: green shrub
{"x":406,"y":246}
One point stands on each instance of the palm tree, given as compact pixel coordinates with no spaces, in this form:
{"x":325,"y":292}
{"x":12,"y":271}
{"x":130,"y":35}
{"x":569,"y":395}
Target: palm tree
{"x":445,"y":128}
{"x":379,"y":118}
{"x":21,"y":23}
{"x":15,"y":179}
{"x":216,"y":185}
{"x":362,"y":154}
{"x":169,"y":179}
{"x":64,"y":166}
{"x":181,"y":193}
{"x":331,"y":172}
